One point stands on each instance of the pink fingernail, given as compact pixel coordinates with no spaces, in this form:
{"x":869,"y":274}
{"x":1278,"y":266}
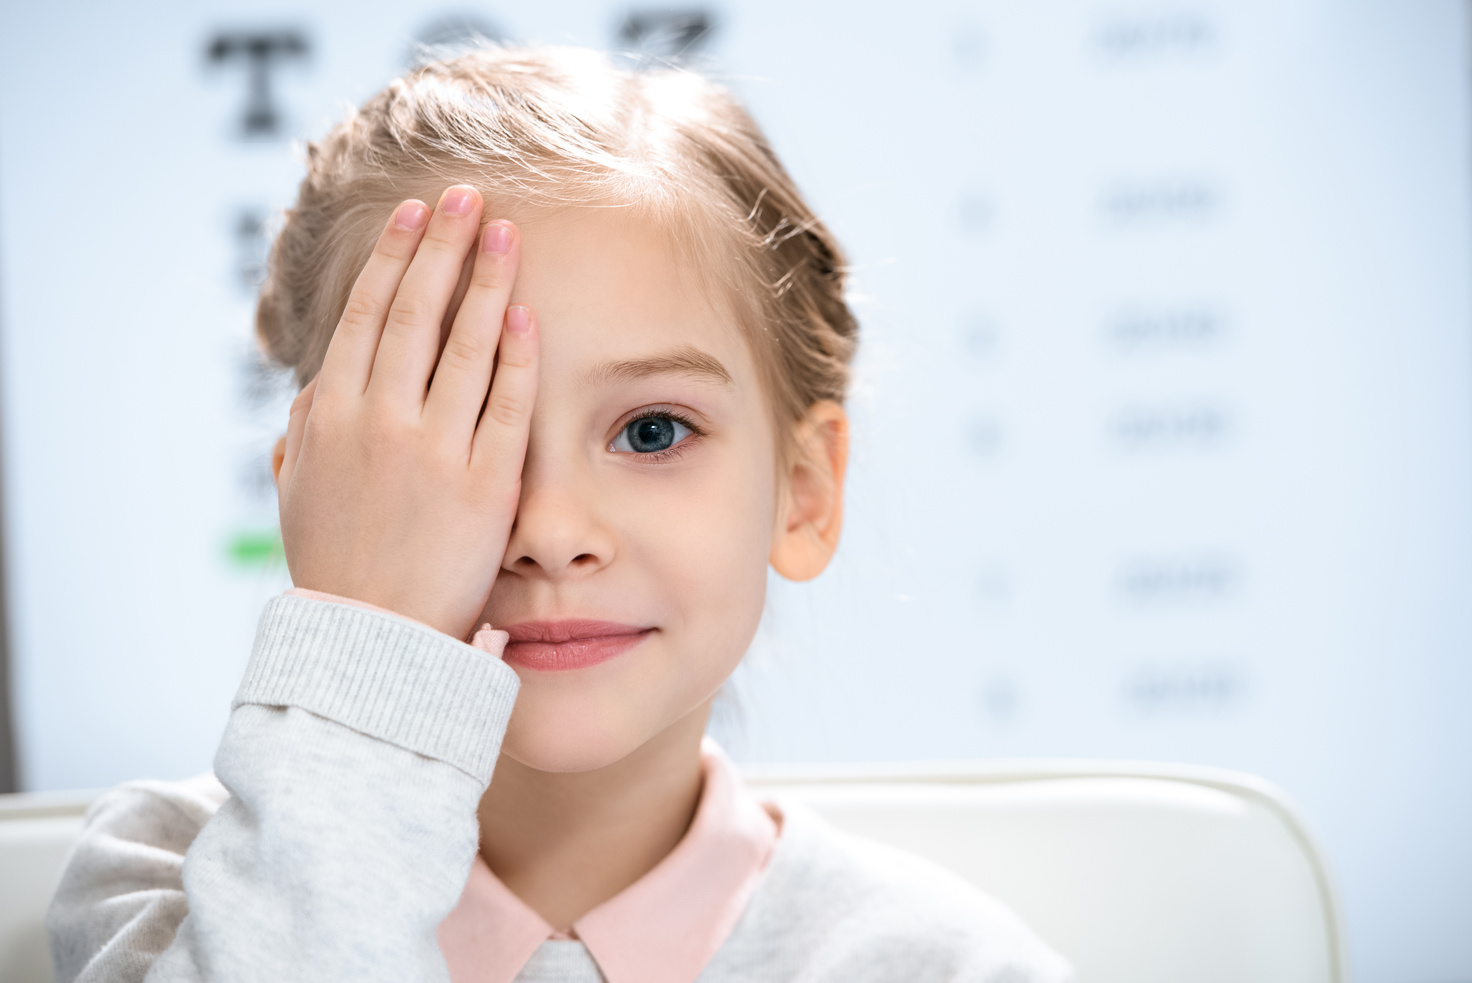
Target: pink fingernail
{"x":411,"y":215}
{"x":518,"y":319}
{"x":457,"y":201}
{"x":497,"y":238}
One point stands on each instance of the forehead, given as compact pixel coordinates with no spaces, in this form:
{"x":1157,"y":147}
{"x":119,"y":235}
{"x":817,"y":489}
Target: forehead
{"x":609,"y":284}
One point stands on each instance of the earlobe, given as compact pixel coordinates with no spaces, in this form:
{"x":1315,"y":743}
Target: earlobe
{"x":278,"y":458}
{"x":811,"y":516}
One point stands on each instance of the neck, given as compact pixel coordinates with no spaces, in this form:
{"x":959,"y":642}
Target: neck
{"x":566,"y":842}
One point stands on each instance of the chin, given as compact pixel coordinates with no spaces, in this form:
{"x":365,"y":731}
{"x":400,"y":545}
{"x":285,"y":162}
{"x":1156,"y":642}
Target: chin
{"x":589,"y":720}
{"x":564,"y":732}
{"x":548,"y":750}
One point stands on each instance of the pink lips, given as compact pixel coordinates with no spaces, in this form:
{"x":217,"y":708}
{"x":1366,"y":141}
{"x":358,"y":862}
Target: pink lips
{"x":553,"y":646}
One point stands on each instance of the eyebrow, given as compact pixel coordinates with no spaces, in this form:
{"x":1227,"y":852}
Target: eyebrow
{"x":685,"y":360}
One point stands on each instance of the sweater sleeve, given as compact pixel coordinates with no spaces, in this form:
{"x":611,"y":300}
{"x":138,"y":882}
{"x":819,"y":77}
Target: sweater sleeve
{"x":356,"y":752}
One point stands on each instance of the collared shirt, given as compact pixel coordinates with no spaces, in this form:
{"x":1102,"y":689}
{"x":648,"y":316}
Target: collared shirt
{"x":663,"y":928}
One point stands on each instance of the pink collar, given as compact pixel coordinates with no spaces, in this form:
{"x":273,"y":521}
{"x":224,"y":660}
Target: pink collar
{"x":663,"y":928}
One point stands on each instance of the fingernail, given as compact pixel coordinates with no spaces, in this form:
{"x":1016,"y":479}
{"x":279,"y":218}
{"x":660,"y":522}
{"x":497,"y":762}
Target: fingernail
{"x":457,"y":200}
{"x":518,"y":319}
{"x":496,"y":239}
{"x":411,"y":215}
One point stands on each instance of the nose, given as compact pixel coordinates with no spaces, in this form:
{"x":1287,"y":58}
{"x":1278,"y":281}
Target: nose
{"x":557,"y":533}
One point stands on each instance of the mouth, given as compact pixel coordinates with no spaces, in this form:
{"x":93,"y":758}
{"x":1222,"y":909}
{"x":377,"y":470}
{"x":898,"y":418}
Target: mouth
{"x":559,"y":646}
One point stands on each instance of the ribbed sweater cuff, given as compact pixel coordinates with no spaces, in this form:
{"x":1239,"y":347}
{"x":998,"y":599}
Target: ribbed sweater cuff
{"x":384,"y":676}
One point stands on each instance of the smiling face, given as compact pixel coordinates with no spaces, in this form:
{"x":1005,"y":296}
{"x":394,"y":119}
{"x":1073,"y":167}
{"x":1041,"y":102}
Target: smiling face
{"x":649,"y":498}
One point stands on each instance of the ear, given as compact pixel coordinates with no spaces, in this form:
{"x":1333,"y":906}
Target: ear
{"x":810,"y":514}
{"x":278,"y":458}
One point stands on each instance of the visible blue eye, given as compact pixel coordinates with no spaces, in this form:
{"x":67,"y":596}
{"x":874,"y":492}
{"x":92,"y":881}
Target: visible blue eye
{"x":650,"y":434}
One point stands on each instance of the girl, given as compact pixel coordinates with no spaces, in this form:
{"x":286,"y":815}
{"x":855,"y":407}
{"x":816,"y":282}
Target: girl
{"x":586,"y":399}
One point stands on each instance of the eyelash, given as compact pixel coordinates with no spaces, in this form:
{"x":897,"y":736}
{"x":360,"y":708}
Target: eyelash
{"x":663,"y":413}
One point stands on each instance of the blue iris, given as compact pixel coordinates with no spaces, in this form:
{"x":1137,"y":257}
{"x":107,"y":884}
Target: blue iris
{"x":650,"y":434}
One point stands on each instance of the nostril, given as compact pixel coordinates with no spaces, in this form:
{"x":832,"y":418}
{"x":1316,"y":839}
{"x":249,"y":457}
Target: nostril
{"x":583,"y":558}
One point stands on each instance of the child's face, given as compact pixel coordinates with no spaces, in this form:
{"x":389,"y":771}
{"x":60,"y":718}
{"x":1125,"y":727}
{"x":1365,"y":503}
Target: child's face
{"x":674,"y":542}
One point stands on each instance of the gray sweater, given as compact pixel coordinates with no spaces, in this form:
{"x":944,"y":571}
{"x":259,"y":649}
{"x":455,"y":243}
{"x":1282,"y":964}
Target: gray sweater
{"x":342,"y":828}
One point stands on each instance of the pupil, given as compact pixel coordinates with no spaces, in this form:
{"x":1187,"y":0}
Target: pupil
{"x":651,"y":434}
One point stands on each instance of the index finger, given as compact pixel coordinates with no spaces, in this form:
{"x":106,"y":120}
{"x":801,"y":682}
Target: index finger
{"x":349,"y":360}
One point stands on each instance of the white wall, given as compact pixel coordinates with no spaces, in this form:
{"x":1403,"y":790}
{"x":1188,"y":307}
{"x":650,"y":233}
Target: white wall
{"x":1165,"y":409}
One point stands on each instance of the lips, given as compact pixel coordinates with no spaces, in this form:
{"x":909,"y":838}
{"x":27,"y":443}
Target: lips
{"x":559,"y":646}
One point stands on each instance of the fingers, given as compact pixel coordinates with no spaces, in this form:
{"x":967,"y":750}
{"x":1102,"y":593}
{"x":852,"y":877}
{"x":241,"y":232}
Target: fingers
{"x":500,"y":439}
{"x":463,"y":373}
{"x":411,"y":331}
{"x":349,"y":360}
{"x":295,"y":429}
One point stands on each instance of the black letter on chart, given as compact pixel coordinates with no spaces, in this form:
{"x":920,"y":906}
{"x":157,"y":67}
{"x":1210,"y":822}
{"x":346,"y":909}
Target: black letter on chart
{"x":666,"y":35}
{"x":261,"y":50}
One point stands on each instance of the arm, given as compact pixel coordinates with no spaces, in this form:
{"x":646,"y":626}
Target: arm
{"x":358,"y":748}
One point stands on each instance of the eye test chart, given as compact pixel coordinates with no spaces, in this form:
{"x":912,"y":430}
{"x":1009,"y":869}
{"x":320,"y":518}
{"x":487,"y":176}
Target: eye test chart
{"x":1162,"y":419}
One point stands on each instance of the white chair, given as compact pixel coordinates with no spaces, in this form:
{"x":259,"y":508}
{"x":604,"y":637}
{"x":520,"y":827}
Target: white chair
{"x":36,"y":831}
{"x":1137,"y":873}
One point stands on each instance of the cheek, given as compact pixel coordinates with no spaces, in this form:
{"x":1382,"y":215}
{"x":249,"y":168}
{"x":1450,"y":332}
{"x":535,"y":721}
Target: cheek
{"x":703,"y":547}
{"x":705,"y":538}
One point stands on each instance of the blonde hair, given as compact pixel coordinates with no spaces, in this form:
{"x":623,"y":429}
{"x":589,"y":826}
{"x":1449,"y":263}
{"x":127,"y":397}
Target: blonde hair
{"x":560,"y":127}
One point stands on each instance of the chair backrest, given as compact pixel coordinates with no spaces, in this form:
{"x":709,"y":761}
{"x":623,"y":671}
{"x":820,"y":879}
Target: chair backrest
{"x":36,"y":831}
{"x":1137,"y":873}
